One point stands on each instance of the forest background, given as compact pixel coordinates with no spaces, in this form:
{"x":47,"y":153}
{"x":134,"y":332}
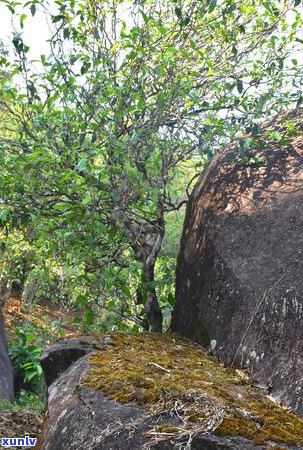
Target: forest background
{"x":104,"y":134}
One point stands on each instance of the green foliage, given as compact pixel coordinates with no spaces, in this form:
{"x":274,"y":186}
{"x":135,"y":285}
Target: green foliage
{"x":290,"y":129}
{"x":30,"y":400}
{"x":171,"y":241}
{"x":25,"y":401}
{"x":17,"y":256}
{"x":5,"y":404}
{"x":165,"y":283}
{"x":25,"y":350}
{"x":246,"y":156}
{"x":110,"y":126}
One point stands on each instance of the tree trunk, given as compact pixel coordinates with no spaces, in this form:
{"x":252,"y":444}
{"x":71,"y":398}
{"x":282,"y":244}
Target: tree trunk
{"x":6,"y":370}
{"x":145,"y":238}
{"x":150,"y":245}
{"x":152,"y":308}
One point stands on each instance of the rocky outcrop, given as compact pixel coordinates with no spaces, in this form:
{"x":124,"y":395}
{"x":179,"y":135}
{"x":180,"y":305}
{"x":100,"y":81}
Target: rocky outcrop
{"x":239,"y":277}
{"x":161,"y":392}
{"x":6,"y":371}
{"x":58,"y":357}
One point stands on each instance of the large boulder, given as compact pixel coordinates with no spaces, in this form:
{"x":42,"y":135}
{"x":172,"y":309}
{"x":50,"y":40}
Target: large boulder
{"x":6,"y":371}
{"x":59,"y":356}
{"x":161,"y":392}
{"x":239,"y":277}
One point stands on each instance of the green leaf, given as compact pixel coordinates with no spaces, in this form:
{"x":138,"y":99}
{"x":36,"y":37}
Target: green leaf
{"x":66,"y":33}
{"x":234,"y":50}
{"x":178,"y":12}
{"x":96,"y":33}
{"x":22,"y":19}
{"x":240,"y":86}
{"x":89,"y":317}
{"x":94,"y":137}
{"x":145,"y":18}
{"x":33,"y":9}
{"x":82,"y":164}
{"x":152,"y":284}
{"x":58,"y":18}
{"x":277,"y":136}
{"x":261,"y":102}
{"x":4,"y":214}
{"x":256,"y":130}
{"x":16,"y":37}
{"x":135,"y":137}
{"x":30,"y":376}
{"x":171,"y":299}
{"x":184,"y":22}
{"x":212,"y":5}
{"x":231,"y":9}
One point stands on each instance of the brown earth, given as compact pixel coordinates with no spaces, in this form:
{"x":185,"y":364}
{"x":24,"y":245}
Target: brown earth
{"x":42,"y":315}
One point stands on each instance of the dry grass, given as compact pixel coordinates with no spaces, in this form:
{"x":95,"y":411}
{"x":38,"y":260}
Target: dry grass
{"x":171,"y":376}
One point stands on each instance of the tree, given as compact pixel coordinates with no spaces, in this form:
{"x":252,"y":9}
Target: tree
{"x":6,"y":371}
{"x":130,"y":91}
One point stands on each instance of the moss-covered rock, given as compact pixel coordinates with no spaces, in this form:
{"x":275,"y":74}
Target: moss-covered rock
{"x":160,"y":391}
{"x":164,"y":370}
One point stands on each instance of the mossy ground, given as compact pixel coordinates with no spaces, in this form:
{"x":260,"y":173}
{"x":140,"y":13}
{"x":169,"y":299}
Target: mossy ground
{"x":168,"y":373}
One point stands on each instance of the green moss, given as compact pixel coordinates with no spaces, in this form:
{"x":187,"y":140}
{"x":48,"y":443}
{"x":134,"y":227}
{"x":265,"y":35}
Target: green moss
{"x":167,"y":429}
{"x":159,"y":370}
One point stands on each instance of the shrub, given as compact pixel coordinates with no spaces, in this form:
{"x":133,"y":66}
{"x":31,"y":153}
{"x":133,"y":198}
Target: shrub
{"x":25,"y":351}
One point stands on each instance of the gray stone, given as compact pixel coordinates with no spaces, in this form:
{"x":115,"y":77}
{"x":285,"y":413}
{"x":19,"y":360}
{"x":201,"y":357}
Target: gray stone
{"x":239,"y":276}
{"x":79,"y":417}
{"x":59,"y":356}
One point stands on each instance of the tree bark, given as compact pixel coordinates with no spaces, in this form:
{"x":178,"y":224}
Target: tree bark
{"x":151,"y":246}
{"x":6,"y":370}
{"x":145,"y":238}
{"x":151,"y":306}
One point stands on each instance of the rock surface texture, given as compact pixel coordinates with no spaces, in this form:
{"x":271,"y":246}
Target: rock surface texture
{"x":239,"y":276}
{"x":144,"y":399}
{"x":58,"y":357}
{"x":6,"y":371}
